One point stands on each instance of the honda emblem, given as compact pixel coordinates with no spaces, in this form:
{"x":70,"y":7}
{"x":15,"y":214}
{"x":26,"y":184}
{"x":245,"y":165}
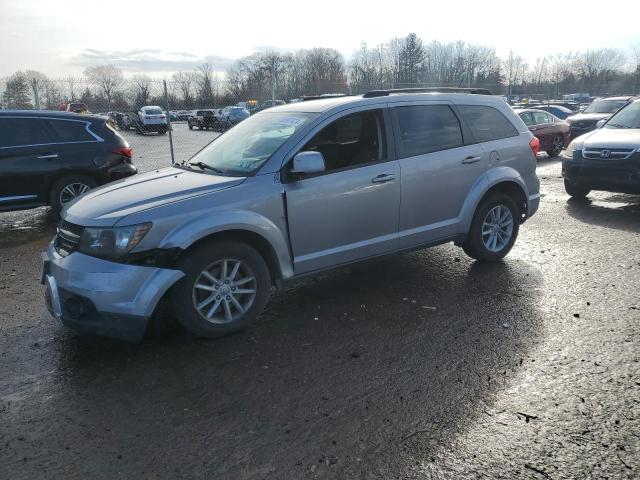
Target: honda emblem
{"x":605,"y":153}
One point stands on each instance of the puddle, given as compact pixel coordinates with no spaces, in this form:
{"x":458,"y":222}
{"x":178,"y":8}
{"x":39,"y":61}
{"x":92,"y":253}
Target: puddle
{"x":26,"y":226}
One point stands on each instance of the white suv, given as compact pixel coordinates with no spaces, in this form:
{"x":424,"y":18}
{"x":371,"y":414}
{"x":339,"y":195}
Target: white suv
{"x":151,"y":119}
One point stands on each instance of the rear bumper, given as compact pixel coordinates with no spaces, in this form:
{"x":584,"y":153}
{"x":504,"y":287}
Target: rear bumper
{"x":98,"y":297}
{"x":609,"y":175}
{"x":121,"y":170}
{"x":533,"y":204}
{"x":154,"y":127}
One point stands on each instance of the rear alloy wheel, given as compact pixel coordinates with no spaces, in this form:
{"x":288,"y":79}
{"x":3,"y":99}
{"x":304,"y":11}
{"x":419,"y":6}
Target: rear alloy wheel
{"x":226,"y":286}
{"x":494,"y":229}
{"x":69,"y":188}
{"x":556,"y":147}
{"x":574,"y":190}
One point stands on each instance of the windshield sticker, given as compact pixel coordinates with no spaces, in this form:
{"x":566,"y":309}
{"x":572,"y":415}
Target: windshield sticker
{"x":290,"y":121}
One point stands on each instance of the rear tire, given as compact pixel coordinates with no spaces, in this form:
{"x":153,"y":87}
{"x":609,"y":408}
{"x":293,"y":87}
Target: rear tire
{"x":575,"y":191}
{"x":497,"y":216}
{"x":64,"y":189}
{"x":190,"y":127}
{"x":218,"y":295}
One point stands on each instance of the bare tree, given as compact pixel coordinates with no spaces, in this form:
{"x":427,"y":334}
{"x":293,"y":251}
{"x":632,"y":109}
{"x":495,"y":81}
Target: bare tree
{"x":106,"y":77}
{"x":204,"y":76}
{"x":141,"y":90}
{"x":597,"y":66}
{"x":184,"y":82}
{"x":72,"y":82}
{"x":635,"y":61}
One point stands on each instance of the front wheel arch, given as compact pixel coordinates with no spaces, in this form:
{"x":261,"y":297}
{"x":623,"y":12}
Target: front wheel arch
{"x":252,"y":239}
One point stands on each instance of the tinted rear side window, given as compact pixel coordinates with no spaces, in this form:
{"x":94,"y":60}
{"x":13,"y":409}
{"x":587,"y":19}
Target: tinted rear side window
{"x":15,"y":132}
{"x":67,"y":131}
{"x":426,"y":128}
{"x":487,"y":123}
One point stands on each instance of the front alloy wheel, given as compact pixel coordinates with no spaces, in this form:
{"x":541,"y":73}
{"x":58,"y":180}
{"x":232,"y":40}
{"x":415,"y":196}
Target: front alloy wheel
{"x":224,"y":291}
{"x":226,"y":285}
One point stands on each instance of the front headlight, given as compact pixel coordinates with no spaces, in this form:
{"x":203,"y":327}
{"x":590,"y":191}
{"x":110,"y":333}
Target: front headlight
{"x":570,"y":150}
{"x":112,"y":243}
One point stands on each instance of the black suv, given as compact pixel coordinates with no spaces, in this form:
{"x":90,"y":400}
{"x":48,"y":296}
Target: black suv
{"x":49,"y":158}
{"x":203,"y":119}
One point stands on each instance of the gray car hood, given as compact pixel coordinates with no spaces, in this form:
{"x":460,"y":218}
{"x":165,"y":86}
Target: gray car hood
{"x":106,"y":205}
{"x":610,"y":138}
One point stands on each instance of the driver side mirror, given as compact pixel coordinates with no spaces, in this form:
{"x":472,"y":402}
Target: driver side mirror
{"x":308,"y":163}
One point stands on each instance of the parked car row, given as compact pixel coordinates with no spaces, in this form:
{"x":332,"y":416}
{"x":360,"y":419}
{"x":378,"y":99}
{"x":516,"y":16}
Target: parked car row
{"x":217,"y":119}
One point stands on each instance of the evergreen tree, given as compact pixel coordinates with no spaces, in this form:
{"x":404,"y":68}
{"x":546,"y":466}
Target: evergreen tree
{"x":16,"y":92}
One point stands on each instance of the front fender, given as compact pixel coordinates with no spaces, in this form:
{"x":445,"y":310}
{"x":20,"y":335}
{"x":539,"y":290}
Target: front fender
{"x":490,"y":179}
{"x":186,"y":234}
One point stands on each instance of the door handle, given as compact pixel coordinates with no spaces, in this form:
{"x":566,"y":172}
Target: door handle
{"x":471,"y":159}
{"x":383,"y":178}
{"x":53,"y":155}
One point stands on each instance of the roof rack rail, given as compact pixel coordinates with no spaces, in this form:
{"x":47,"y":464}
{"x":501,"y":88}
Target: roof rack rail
{"x":324,"y":96}
{"x":384,"y":93}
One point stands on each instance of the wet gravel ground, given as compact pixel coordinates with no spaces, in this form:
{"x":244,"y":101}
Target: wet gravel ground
{"x":422,"y":366}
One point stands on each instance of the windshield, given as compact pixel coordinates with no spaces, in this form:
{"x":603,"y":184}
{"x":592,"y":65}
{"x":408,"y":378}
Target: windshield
{"x":247,"y":146}
{"x":628,"y":117}
{"x":605,"y":106}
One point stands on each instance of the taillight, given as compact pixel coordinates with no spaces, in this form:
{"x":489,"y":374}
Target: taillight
{"x":124,"y":151}
{"x":534,"y":144}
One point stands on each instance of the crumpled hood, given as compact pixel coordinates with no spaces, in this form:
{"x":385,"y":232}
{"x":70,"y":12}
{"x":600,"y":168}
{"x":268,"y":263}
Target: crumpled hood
{"x":587,"y":117}
{"x":104,"y":206}
{"x":610,"y":138}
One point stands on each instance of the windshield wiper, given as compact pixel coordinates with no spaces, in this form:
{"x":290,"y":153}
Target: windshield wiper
{"x":617,"y":125}
{"x":204,"y":166}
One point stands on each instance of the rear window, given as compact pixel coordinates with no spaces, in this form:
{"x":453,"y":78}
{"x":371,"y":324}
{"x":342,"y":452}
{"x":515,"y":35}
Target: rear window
{"x":427,"y":128}
{"x":68,"y":131}
{"x":487,"y":123}
{"x":152,"y":111}
{"x":17,"y":132}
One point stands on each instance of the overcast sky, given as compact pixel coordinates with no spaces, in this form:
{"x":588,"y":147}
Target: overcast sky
{"x":61,"y":37}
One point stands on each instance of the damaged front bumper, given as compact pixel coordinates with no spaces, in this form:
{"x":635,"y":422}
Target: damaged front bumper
{"x":99,"y":297}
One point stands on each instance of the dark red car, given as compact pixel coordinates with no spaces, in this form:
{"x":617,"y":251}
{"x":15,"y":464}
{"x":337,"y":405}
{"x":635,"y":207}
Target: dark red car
{"x":553,"y":133}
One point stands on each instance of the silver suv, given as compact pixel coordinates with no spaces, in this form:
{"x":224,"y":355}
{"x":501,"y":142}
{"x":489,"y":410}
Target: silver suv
{"x":292,"y":191}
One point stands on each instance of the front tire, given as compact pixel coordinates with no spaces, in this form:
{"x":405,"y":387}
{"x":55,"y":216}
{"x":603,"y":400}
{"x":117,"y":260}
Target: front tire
{"x":225,"y":287}
{"x":575,"y":191}
{"x":494,"y":228}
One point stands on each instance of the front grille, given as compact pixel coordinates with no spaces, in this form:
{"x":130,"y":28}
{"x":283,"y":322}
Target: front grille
{"x":67,"y":238}
{"x":608,"y":153}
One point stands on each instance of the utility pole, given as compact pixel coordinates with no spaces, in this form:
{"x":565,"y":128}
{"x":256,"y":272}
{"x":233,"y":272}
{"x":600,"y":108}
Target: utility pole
{"x":166,"y":100}
{"x":36,"y":96}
